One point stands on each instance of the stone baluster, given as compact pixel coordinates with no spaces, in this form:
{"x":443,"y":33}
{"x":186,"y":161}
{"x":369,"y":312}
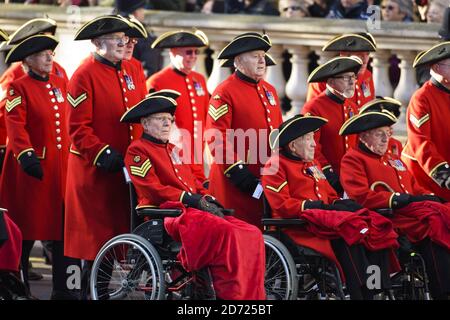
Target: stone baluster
{"x":274,"y":74}
{"x":218,"y":74}
{"x":380,"y":72}
{"x":324,"y":56}
{"x":406,"y":87}
{"x":296,"y":86}
{"x":166,"y":57}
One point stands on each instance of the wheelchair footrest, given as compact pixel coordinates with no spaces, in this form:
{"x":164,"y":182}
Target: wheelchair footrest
{"x":158,"y":213}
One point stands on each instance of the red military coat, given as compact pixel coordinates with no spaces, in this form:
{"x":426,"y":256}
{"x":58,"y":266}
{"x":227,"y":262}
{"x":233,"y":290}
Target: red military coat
{"x":364,"y":89}
{"x":240,"y":105}
{"x":191,"y":110}
{"x":169,"y":180}
{"x":428,"y":117}
{"x":15,"y":71}
{"x":373,"y":180}
{"x":35,"y":111}
{"x":289,"y":187}
{"x":97,"y":203}
{"x":331,"y":147}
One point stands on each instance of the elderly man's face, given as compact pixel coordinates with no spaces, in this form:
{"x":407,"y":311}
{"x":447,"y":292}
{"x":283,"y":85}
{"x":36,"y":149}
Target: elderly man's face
{"x":377,"y":139}
{"x":40,"y":62}
{"x":363,"y":55}
{"x":129,"y":48}
{"x":303,"y":147}
{"x":158,"y":125}
{"x":112,"y":46}
{"x":344,"y":83}
{"x":184,"y":58}
{"x":252,"y":64}
{"x":443,"y":68}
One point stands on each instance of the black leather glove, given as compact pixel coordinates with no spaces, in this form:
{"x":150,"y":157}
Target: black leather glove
{"x":31,"y":165}
{"x":110,"y":160}
{"x":318,"y":204}
{"x":350,"y":204}
{"x":442,"y":175}
{"x":242,"y":178}
{"x":333,"y":180}
{"x":425,"y":197}
{"x":2,"y":157}
{"x":400,"y":200}
{"x":206,"y":184}
{"x":336,"y":207}
{"x":204,"y":203}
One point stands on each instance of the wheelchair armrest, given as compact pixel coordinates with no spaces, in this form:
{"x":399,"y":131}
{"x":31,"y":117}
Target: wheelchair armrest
{"x":385,"y":212}
{"x":283,"y":222}
{"x":158,"y":213}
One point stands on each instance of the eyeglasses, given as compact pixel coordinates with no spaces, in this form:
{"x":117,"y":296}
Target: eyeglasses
{"x":346,"y":78}
{"x":382,"y":134}
{"x":44,"y":54}
{"x":124,"y":39}
{"x":132,"y":41}
{"x":444,"y":64}
{"x":293,"y":8}
{"x":190,"y":52}
{"x":164,"y":119}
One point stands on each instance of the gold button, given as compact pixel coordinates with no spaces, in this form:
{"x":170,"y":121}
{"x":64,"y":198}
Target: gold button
{"x":50,"y":93}
{"x":57,"y":123}
{"x":53,"y":100}
{"x":58,"y":146}
{"x":55,"y":107}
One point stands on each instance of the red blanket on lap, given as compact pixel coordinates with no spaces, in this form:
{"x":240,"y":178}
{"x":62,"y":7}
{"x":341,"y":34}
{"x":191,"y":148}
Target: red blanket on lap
{"x":419,"y":220}
{"x":364,"y":226}
{"x":11,"y":249}
{"x":232,"y":249}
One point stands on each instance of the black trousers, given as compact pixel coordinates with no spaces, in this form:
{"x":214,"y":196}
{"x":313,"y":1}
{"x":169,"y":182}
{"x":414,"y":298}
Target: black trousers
{"x":60,"y":265}
{"x":437,"y":263}
{"x":355,"y":261}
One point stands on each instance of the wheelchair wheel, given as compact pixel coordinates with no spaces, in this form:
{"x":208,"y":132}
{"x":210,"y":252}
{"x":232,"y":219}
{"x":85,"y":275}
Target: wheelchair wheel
{"x":127,"y":267}
{"x":280,"y":280}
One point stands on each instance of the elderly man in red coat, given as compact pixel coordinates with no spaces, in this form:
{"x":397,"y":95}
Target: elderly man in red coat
{"x":100,"y":91}
{"x":335,"y":105}
{"x":17,"y":69}
{"x":243,"y":109}
{"x":377,"y":179}
{"x":341,"y":230}
{"x":427,"y":154}
{"x":194,"y":100}
{"x":36,"y":154}
{"x":359,"y":45}
{"x":232,"y":249}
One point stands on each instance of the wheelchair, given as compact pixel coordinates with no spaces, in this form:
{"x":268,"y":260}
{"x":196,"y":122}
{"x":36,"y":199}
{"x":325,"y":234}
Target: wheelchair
{"x":294,"y":272}
{"x":143,"y":264}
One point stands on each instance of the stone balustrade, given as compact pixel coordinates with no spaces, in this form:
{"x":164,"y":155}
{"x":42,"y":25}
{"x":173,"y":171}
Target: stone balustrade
{"x":298,"y":36}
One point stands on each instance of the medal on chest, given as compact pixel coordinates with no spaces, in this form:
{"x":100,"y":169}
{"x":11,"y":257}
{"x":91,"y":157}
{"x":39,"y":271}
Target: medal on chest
{"x":365,"y":89}
{"x":270,"y":97}
{"x":129,"y":82}
{"x":397,"y":164}
{"x":315,"y":172}
{"x":58,"y":94}
{"x":199,"y":89}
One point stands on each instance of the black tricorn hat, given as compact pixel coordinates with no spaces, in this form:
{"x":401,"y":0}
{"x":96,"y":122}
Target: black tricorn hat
{"x":103,"y":25}
{"x":181,"y":38}
{"x":352,"y":42}
{"x":293,"y":128}
{"x":129,"y":6}
{"x":228,"y":63}
{"x":137,"y":29}
{"x":244,"y":43}
{"x":382,"y":103}
{"x":444,"y":31}
{"x":156,"y":102}
{"x":3,"y":36}
{"x":31,"y":45}
{"x":31,"y":28}
{"x":435,"y":54}
{"x":335,"y":67}
{"x":366,"y":121}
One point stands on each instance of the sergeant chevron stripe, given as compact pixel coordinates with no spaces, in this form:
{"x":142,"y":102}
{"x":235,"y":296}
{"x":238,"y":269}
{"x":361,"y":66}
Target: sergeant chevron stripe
{"x":217,"y":113}
{"x":142,"y":170}
{"x":78,"y":100}
{"x":276,"y":189}
{"x":13,"y":103}
{"x":419,"y":122}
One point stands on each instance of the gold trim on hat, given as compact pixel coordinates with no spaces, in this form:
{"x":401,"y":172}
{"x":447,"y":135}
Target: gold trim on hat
{"x":376,"y":101}
{"x":354,"y":58}
{"x":148,"y":98}
{"x":118,"y":17}
{"x":11,"y":37}
{"x":4,"y":35}
{"x":420,"y":55}
{"x":199,"y":34}
{"x":15,"y":47}
{"x":360,"y":116}
{"x":348,"y":35}
{"x":242,"y":37}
